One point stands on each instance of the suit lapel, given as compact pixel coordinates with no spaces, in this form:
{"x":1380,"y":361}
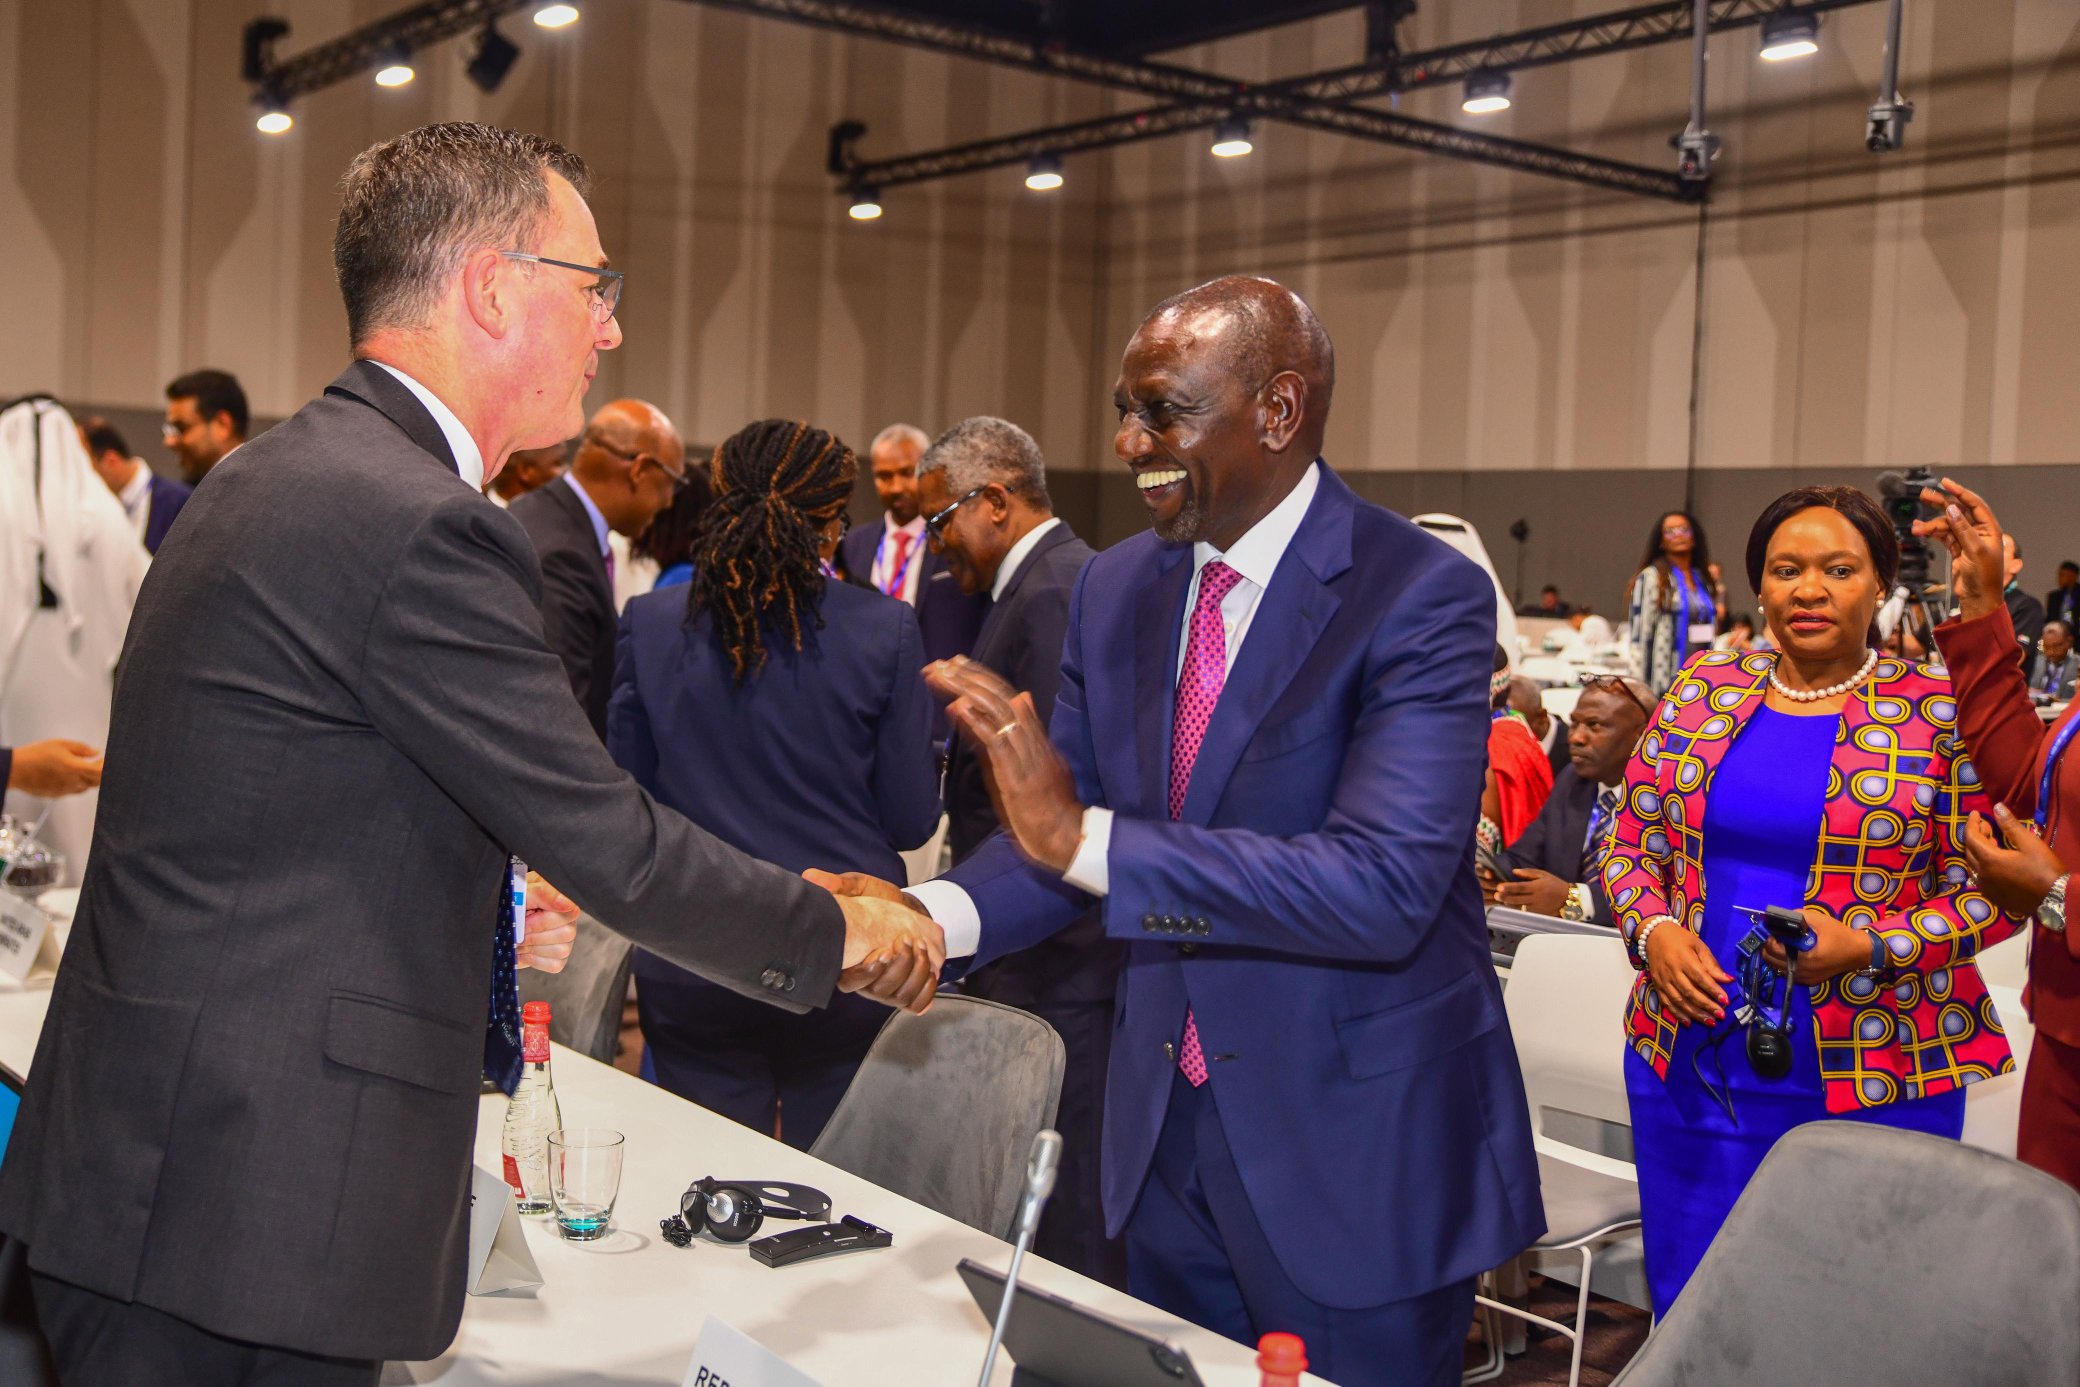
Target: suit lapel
{"x":1158,"y":618}
{"x":994,"y":618}
{"x":1289,"y":619}
{"x":581,"y":527}
{"x":379,"y":390}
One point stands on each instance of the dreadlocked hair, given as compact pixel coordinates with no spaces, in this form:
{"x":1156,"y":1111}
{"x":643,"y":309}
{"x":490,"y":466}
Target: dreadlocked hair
{"x":778,"y":484}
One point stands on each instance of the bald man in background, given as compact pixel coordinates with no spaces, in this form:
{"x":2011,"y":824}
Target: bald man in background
{"x":628,"y":465}
{"x":529,"y":469}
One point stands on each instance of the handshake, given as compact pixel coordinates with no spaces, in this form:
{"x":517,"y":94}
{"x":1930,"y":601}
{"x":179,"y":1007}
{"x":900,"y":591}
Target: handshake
{"x":893,"y":949}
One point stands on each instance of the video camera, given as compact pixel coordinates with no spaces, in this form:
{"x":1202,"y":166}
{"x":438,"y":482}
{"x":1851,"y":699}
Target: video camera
{"x":1899,"y":495}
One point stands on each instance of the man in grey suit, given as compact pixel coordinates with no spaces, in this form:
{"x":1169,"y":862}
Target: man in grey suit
{"x":244,"y":1153}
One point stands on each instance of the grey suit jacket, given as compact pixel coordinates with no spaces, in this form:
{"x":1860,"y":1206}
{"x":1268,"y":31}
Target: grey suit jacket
{"x":253,"y":1104}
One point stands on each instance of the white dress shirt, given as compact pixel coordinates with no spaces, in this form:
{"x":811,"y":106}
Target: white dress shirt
{"x":1015,"y":557}
{"x":136,"y":497}
{"x":469,"y":459}
{"x":884,"y":571}
{"x":1255,"y":557}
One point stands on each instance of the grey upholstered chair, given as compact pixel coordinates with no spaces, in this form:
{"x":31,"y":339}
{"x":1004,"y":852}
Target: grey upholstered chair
{"x":586,"y":998}
{"x":945,"y":1108}
{"x":1860,"y":1254}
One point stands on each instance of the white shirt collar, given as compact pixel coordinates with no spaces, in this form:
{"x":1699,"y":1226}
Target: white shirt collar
{"x":469,"y":460}
{"x":138,"y":489}
{"x":1016,"y":556}
{"x":1255,"y":556}
{"x":915,"y":529}
{"x":599,"y":521}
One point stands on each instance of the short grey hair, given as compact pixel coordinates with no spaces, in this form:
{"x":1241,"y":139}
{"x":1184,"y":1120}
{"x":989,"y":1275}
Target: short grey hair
{"x":412,"y":208}
{"x":978,"y":451}
{"x":900,"y":433}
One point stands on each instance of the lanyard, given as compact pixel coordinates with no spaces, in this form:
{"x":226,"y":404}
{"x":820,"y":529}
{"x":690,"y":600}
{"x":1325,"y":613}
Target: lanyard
{"x":2059,"y":741}
{"x":1685,"y":590}
{"x":893,"y":587}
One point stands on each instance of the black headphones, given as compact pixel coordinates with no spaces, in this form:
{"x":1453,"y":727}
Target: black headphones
{"x":734,"y":1210}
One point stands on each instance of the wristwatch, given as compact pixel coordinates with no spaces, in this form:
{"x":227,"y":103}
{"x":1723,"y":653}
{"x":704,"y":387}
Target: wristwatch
{"x":1880,"y":962}
{"x":1576,"y":907}
{"x":2051,"y":914}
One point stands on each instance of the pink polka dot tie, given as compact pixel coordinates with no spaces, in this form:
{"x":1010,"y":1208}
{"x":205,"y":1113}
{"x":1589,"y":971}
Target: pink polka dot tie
{"x":1198,"y":689}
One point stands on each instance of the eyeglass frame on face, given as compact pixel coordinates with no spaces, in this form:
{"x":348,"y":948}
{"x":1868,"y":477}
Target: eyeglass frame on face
{"x":679,"y":478}
{"x":605,"y":293}
{"x":935,"y":525}
{"x":1678,"y":530}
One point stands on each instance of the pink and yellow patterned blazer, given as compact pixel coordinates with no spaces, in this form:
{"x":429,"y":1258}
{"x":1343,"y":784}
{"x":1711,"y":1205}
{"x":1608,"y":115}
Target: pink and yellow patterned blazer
{"x":1890,"y":859}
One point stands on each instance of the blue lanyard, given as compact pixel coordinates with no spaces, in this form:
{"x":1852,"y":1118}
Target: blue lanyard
{"x":2059,"y":741}
{"x":1685,"y":589}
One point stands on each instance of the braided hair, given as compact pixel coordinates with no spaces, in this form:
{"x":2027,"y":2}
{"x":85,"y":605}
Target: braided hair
{"x":778,"y":484}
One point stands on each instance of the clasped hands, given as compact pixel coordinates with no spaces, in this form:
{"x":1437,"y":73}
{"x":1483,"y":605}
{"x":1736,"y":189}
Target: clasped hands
{"x":894,"y":950}
{"x":1692,"y":984}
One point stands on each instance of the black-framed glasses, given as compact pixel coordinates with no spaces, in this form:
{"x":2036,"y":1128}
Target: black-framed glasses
{"x":935,"y":525}
{"x":605,"y":290}
{"x":1616,"y":683}
{"x":679,"y":478}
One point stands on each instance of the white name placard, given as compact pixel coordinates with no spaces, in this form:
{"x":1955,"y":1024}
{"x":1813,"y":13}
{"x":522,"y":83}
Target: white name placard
{"x":499,"y":1259}
{"x":23,"y":930}
{"x":728,"y":1357}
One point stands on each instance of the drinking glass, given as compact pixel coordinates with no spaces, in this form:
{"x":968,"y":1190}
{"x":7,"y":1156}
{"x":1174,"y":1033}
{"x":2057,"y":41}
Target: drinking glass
{"x":584,"y":1180}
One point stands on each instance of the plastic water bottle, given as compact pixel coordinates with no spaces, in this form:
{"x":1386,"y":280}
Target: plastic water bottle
{"x":1281,"y":1358}
{"x":532,"y":1115}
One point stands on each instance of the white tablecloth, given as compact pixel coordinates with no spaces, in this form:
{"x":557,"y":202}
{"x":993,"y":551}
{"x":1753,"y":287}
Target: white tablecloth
{"x":626,"y":1310}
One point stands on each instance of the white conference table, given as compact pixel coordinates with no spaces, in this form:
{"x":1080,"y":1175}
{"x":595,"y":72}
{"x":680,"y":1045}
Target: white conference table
{"x":626,"y":1310}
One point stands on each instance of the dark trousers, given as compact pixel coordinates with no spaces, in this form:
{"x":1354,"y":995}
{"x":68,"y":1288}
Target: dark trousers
{"x":1194,"y":1248}
{"x":99,"y":1342}
{"x":753,"y":1063}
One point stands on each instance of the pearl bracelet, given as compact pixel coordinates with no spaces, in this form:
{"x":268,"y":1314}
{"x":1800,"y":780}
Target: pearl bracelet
{"x":1639,"y":941}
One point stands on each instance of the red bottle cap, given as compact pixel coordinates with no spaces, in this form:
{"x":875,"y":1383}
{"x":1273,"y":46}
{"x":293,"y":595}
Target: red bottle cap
{"x":535,"y":1014}
{"x":1282,"y":1353}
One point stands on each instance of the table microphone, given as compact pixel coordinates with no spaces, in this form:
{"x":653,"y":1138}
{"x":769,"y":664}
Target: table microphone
{"x":1041,"y":1166}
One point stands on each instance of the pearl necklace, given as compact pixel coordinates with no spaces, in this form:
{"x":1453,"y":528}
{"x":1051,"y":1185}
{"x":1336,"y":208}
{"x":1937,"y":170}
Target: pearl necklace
{"x":1870,"y":662}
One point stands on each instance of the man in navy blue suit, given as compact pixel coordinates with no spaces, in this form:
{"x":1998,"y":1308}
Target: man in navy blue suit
{"x":1265,"y":760}
{"x":150,"y":500}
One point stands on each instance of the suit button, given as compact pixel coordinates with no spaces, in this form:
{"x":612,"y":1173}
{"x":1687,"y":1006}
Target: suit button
{"x":788,"y":985}
{"x":1148,"y":924}
{"x":1172,"y":924}
{"x":1188,"y":948}
{"x":1204,"y":925}
{"x":770,"y":978}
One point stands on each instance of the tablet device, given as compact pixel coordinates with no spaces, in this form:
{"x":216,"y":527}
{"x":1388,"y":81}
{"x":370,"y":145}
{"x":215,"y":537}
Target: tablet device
{"x":1057,"y":1343}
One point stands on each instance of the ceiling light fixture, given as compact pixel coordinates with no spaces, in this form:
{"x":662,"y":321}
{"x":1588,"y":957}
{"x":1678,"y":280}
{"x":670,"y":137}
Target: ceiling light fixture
{"x":1044,"y":173}
{"x":1486,"y":93}
{"x":1231,"y":139}
{"x":493,"y":59}
{"x":274,"y":114}
{"x":866,"y":203}
{"x":556,"y":16}
{"x":396,"y":69}
{"x":1790,"y":34}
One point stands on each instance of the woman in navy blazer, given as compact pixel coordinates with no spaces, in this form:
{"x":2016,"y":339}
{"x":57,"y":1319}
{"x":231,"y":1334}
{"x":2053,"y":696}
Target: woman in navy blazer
{"x":785,"y":714}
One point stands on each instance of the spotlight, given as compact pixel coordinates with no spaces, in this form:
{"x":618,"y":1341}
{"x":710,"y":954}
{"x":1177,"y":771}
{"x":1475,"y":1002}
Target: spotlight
{"x":1789,"y":34}
{"x":274,"y":113}
{"x":493,"y":59}
{"x":556,"y":16}
{"x":1044,"y":174}
{"x":866,"y":203}
{"x":1486,"y":93}
{"x":1231,"y":138}
{"x":396,"y":69}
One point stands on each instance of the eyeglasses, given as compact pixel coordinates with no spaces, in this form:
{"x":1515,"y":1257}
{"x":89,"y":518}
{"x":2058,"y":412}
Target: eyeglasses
{"x":935,"y":525}
{"x":1615,"y":683}
{"x":679,"y":478}
{"x":1675,"y":532}
{"x":605,"y":290}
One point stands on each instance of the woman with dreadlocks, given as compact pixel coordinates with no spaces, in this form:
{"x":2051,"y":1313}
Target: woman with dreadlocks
{"x":784,"y":713}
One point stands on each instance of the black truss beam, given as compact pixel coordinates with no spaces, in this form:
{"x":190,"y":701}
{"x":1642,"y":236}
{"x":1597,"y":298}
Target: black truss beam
{"x":1105,"y":132}
{"x":371,"y":45}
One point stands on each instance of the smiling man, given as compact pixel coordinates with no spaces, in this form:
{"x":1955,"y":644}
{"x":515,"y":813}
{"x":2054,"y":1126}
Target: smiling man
{"x":1264,"y":770}
{"x":244,"y":1151}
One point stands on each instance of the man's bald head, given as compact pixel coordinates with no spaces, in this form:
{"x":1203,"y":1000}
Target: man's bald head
{"x":630,"y":461}
{"x":1260,"y":328}
{"x":1524,"y":698}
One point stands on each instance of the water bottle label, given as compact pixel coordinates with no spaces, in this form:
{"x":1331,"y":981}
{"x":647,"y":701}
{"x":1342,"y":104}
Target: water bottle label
{"x":513,"y":1178}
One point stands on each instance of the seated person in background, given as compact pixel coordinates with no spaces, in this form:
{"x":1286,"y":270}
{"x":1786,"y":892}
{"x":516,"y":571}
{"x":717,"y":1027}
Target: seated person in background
{"x":2062,"y":603}
{"x":2054,"y":667}
{"x":1739,"y":635}
{"x":787,"y":715}
{"x":1548,"y":604}
{"x":1586,"y":630}
{"x":1518,"y":777}
{"x":669,"y":540}
{"x":528,"y":469}
{"x":1556,"y":867}
{"x":2024,"y":611}
{"x":1551,"y":732}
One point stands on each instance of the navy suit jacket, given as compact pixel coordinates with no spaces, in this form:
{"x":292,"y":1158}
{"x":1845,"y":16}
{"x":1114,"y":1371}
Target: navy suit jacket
{"x":1555,"y":839}
{"x":1315,"y":907}
{"x":168,"y":496}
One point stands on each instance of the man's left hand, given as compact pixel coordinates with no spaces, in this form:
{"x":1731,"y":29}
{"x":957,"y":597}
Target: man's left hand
{"x":1029,"y":783}
{"x":552,"y":927}
{"x":1541,"y":893}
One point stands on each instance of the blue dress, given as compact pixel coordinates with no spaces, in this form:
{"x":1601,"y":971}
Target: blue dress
{"x":1699,"y":1136}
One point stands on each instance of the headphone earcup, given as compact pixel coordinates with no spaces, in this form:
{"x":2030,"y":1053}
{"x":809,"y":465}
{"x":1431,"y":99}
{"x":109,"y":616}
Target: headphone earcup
{"x":734,"y":1213}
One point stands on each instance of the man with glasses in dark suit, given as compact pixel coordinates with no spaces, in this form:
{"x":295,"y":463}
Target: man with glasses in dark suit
{"x":628,"y":466}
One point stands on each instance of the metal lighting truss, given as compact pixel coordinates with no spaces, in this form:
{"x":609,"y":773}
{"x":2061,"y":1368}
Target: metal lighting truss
{"x":1192,"y":99}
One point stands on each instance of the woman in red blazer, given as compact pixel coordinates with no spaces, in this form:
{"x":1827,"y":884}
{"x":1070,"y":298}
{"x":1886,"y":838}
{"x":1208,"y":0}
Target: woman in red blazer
{"x":2034,"y":772}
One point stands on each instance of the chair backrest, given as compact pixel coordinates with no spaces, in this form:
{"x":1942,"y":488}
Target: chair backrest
{"x":1566,"y":1005}
{"x":586,"y":998}
{"x":2006,"y":964}
{"x":1861,"y":1253}
{"x":1993,"y":1107}
{"x":945,"y":1108}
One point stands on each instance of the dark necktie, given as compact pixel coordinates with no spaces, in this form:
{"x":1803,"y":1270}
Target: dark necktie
{"x":502,"y":1025}
{"x":1597,"y":844}
{"x":1198,"y":689}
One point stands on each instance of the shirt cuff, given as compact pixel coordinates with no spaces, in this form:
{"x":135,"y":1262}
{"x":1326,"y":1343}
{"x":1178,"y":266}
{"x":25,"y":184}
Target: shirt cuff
{"x":955,"y":911}
{"x":1091,"y":869}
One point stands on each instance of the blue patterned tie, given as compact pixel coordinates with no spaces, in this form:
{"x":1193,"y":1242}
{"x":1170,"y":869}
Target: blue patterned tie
{"x":502,"y":1026}
{"x":1595,"y":845}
